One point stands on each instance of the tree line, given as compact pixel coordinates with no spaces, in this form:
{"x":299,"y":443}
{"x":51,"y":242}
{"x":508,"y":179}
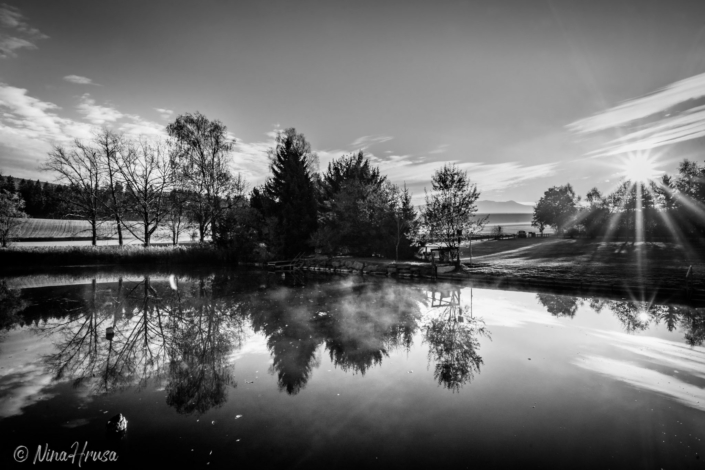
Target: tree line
{"x":668,"y":207}
{"x":184,"y":184}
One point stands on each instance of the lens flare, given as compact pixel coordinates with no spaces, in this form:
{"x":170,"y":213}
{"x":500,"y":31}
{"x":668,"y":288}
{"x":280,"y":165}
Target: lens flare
{"x":639,"y":168}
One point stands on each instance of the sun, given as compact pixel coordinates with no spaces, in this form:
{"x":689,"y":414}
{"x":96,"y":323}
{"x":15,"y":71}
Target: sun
{"x":639,"y":168}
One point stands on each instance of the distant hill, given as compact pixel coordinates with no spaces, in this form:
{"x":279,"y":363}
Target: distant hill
{"x":503,"y":207}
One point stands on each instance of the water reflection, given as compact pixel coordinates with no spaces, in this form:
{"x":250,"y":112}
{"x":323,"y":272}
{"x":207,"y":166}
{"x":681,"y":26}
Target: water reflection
{"x":181,"y":337}
{"x":559,"y":305}
{"x":634,"y":316}
{"x":358,"y":324}
{"x":453,"y":336}
{"x":205,"y":329}
{"x":11,"y":303}
{"x":183,"y":334}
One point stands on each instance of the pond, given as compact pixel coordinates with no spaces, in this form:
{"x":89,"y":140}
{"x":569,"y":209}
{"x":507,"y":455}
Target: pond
{"x":244,"y":369}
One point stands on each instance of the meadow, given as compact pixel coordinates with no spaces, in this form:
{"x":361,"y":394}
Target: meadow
{"x":62,"y":230}
{"x":584,"y":260}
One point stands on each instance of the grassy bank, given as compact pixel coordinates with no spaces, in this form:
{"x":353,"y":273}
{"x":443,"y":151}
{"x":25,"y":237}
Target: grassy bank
{"x":661,"y":264}
{"x":23,"y":258}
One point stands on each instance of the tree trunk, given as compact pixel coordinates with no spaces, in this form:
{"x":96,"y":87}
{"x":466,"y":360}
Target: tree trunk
{"x":94,"y":233}
{"x":119,"y":230}
{"x":146,"y":232}
{"x":202,"y":230}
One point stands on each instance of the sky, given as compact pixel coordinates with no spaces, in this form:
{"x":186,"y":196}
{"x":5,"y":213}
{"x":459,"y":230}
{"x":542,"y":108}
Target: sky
{"x":522,"y":94}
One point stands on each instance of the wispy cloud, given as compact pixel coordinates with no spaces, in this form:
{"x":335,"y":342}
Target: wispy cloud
{"x":164,"y":113}
{"x":79,"y":80}
{"x":29,"y":126}
{"x":416,"y":171}
{"x":443,"y":148}
{"x":250,"y":158}
{"x":95,"y":113}
{"x":668,"y":116}
{"x":490,"y":176}
{"x":368,"y":140}
{"x":130,"y":124}
{"x":15,"y":32}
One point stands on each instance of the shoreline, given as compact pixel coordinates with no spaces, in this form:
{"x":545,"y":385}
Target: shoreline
{"x":618,"y":279}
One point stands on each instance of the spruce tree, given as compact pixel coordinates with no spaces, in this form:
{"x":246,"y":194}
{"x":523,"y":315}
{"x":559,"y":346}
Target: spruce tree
{"x":292,"y":193}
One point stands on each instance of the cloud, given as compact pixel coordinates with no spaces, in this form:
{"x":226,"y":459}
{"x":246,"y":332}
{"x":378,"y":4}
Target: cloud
{"x":668,"y":116}
{"x":17,"y":33}
{"x":488,"y":176}
{"x":164,"y":113}
{"x":443,"y":148}
{"x":250,"y":158}
{"x":30,"y":127}
{"x":130,"y":124}
{"x":368,"y":140}
{"x":416,"y":171}
{"x":79,"y":80}
{"x":97,"y":114}
{"x":135,"y":126}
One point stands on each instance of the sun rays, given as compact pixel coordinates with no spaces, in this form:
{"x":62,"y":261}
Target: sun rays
{"x":644,"y":208}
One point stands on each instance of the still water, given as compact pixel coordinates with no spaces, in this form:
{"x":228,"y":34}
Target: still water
{"x":241,"y":369}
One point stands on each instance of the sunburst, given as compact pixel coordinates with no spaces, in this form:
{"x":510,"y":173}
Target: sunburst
{"x":640,"y":168}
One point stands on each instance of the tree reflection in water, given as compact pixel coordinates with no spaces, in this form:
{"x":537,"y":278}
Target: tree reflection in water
{"x":206,"y":329}
{"x":559,"y":305}
{"x":183,"y":337}
{"x":11,"y":304}
{"x":634,"y":316}
{"x":359,"y":326}
{"x":453,"y":337}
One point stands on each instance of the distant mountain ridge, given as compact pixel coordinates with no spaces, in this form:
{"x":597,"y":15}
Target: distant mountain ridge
{"x":503,"y":207}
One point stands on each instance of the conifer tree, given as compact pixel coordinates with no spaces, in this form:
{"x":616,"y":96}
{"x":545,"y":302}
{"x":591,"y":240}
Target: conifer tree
{"x":291,"y":192}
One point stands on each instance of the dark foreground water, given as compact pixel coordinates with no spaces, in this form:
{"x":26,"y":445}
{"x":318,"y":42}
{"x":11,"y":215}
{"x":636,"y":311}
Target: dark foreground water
{"x":244,"y":370}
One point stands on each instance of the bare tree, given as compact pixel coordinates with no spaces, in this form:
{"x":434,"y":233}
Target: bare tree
{"x":109,"y":145}
{"x":176,"y":219}
{"x":79,"y":168}
{"x":148,"y":171}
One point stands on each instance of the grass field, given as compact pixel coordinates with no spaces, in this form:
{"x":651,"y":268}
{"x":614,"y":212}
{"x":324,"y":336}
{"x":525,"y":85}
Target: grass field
{"x":59,"y":229}
{"x":620,"y":262}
